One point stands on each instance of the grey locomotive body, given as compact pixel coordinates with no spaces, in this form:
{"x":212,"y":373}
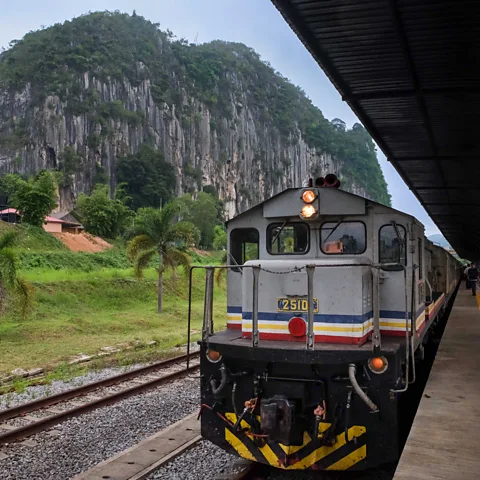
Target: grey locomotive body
{"x":330,"y":298}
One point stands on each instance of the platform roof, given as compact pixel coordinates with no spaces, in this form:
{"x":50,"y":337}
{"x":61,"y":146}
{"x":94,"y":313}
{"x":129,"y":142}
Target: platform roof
{"x":409,"y":69}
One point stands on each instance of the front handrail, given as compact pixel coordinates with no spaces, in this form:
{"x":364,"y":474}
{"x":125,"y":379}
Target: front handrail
{"x":377,"y":337}
{"x":407,"y":337}
{"x":311,"y":313}
{"x":208,"y":327}
{"x":255,"y":332}
{"x":413,"y":324}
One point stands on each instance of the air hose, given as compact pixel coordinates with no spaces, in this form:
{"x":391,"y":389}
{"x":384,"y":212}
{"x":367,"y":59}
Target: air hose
{"x":352,"y":370}
{"x":223,"y":381}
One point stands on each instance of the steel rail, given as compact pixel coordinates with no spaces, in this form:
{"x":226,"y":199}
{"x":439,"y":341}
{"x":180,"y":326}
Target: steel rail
{"x":47,"y":422}
{"x":89,"y":387}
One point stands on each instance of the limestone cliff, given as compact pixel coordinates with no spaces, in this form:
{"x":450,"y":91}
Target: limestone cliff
{"x":219,"y":114}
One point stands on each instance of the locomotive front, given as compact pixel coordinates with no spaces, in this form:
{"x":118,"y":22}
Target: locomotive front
{"x":307,"y":373}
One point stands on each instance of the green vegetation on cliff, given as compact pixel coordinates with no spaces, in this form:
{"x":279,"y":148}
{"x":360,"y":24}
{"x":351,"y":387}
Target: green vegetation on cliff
{"x":220,"y":74}
{"x":148,"y":178}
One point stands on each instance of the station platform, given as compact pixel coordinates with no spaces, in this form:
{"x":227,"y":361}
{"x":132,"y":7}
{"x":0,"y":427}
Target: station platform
{"x":443,"y":441}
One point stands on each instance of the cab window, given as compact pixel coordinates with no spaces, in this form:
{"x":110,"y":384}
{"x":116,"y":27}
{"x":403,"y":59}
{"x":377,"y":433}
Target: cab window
{"x":343,"y":238}
{"x":288,"y":238}
{"x":391,"y":247}
{"x":244,"y":245}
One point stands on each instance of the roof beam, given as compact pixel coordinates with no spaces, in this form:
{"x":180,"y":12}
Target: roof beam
{"x":463,"y":187}
{"x":387,"y":94}
{"x":447,"y":158}
{"x":444,"y":204}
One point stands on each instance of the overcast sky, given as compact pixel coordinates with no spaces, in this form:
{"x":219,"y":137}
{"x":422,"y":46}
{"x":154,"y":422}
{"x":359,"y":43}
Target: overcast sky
{"x":254,"y":22}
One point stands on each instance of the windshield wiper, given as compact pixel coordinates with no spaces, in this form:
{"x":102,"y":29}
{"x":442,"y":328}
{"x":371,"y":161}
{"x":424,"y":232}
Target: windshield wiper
{"x":397,"y":232}
{"x":331,"y":233}
{"x":279,"y":232}
{"x":401,"y":241}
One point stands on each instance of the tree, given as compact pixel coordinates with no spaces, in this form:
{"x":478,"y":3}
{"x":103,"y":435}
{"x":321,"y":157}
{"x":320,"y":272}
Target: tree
{"x":69,"y":162}
{"x":339,"y":124}
{"x":149,"y":179}
{"x":203,"y":213}
{"x":102,"y":215}
{"x":219,"y":238}
{"x":211,"y":190}
{"x":9,"y":278}
{"x":34,"y":198}
{"x":157,"y":233}
{"x":100,"y":177}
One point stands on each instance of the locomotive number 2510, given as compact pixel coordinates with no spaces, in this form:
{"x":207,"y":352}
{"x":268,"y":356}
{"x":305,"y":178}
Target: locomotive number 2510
{"x":295,"y":305}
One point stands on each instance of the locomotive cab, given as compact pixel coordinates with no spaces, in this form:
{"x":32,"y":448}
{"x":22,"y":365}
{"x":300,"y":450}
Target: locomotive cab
{"x":342,"y":239}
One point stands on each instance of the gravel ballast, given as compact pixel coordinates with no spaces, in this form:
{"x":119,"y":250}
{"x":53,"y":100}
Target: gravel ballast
{"x":204,"y":461}
{"x":10,"y":400}
{"x":83,"y":442}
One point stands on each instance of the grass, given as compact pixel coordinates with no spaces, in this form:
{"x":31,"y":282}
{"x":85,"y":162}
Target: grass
{"x":33,"y":239}
{"x":83,"y":301}
{"x":80,"y":312}
{"x":67,"y":260}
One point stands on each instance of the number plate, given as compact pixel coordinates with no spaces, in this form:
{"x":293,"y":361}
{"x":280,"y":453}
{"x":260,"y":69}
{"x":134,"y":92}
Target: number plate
{"x":295,"y":305}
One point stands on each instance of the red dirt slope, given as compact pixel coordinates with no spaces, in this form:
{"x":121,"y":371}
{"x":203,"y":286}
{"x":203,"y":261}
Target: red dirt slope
{"x":83,"y":242}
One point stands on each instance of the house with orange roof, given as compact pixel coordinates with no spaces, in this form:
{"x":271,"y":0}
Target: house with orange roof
{"x":51,"y":224}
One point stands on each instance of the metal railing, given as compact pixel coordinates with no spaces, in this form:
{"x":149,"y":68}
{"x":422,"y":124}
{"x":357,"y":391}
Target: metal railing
{"x":208,"y":325}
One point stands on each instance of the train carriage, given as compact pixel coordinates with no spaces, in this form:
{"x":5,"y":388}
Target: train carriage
{"x":330,"y":297}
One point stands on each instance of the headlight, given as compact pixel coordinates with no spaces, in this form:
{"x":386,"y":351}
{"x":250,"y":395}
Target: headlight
{"x":213,"y":356}
{"x":308,"y":211}
{"x":378,"y":364}
{"x":308,"y":196}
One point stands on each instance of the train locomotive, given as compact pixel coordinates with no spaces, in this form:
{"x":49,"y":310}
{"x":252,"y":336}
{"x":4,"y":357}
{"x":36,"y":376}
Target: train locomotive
{"x":330,"y":300}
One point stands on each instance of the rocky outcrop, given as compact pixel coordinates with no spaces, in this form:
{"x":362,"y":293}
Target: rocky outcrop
{"x":77,"y":97}
{"x":244,"y":159}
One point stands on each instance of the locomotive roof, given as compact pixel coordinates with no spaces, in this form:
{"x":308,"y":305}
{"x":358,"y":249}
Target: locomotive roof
{"x":337,"y":191}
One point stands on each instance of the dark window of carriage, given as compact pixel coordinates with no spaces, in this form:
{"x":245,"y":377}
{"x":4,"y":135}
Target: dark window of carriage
{"x":244,"y":245}
{"x":343,"y":238}
{"x":392,"y":244}
{"x":288,"y":238}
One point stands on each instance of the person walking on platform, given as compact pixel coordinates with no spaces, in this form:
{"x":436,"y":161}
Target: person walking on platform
{"x":465,"y":273}
{"x":472,"y":278}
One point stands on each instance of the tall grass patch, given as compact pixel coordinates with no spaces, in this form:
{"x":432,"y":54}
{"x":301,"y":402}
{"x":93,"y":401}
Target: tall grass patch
{"x":89,"y":311}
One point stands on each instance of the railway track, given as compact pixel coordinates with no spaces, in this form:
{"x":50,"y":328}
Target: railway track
{"x":33,"y":417}
{"x":141,"y":460}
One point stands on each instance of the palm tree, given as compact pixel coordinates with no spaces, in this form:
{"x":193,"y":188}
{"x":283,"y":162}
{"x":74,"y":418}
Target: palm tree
{"x":10,"y":281}
{"x":220,"y":272}
{"x":157,"y":233}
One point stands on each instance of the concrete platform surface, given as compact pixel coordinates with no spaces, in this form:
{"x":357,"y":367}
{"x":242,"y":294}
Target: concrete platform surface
{"x":445,"y":436}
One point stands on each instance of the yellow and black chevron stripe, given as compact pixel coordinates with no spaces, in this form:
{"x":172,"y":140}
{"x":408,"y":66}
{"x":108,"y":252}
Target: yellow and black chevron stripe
{"x":341,"y":456}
